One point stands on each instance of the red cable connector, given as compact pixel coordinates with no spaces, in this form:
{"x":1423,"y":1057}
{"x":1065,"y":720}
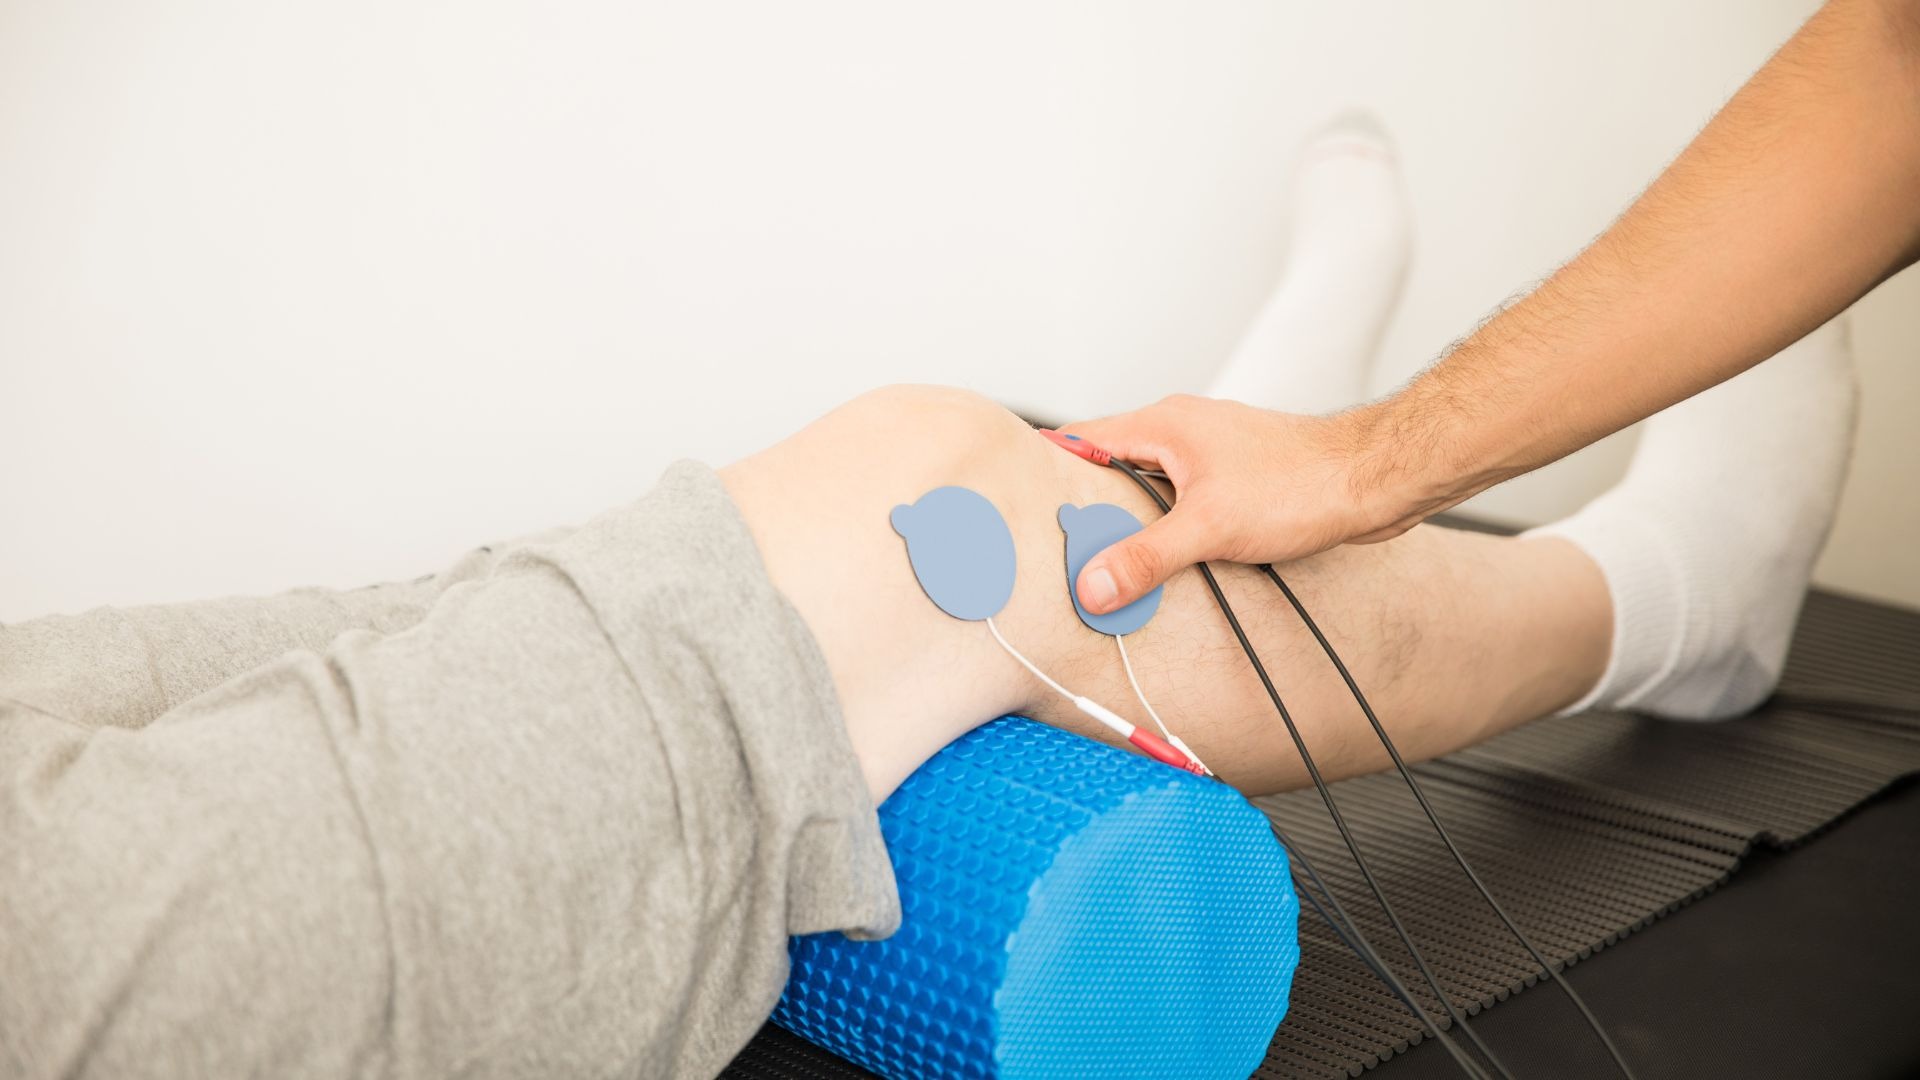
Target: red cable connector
{"x":1077,"y":446}
{"x":1162,"y":751}
{"x":1150,"y":744}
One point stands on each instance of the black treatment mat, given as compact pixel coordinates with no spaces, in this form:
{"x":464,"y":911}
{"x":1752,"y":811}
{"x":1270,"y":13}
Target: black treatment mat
{"x":1586,"y":828}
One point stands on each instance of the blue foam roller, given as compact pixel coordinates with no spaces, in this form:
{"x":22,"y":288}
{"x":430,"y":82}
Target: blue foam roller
{"x":1069,"y":910}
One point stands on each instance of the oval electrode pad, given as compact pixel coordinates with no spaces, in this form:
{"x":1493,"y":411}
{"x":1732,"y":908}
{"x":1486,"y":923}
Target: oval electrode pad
{"x":1091,"y":530}
{"x":961,"y":551}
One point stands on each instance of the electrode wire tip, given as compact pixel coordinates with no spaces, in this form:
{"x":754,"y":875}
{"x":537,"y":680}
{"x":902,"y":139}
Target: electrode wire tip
{"x":1077,"y":446}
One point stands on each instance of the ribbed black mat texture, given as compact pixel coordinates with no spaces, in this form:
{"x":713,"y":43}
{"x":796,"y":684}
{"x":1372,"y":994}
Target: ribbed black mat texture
{"x":1586,"y":828}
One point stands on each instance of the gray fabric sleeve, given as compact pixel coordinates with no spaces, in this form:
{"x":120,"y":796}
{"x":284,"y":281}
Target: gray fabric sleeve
{"x":561,"y":826}
{"x":125,"y":666}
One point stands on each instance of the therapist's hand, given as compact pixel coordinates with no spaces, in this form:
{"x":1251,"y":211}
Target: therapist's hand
{"x":1252,"y":486}
{"x":1682,"y":292}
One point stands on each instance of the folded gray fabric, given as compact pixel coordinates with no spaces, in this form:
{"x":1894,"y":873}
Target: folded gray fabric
{"x":554,"y":812}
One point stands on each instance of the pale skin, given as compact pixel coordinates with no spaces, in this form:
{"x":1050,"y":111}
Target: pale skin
{"x":1455,"y":636}
{"x":1801,"y":196}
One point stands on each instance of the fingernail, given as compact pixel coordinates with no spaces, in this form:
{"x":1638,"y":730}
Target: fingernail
{"x":1098,"y":590}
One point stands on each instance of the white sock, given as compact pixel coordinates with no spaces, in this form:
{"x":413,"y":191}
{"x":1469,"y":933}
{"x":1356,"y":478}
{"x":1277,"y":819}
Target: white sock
{"x":1708,"y":542}
{"x":1311,"y":347}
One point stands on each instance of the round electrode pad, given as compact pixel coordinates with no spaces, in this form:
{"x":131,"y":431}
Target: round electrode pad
{"x":1091,"y":530}
{"x":961,"y":551}
{"x":1068,"y":910}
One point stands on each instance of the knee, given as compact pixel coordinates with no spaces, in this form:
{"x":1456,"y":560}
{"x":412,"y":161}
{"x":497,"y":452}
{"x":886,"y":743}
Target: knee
{"x":929,"y":436}
{"x":934,"y":415}
{"x":892,"y":439}
{"x":938,"y":428}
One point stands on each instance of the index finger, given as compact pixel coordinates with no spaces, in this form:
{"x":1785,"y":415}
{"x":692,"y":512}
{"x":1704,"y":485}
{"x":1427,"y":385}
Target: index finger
{"x":1128,"y":436}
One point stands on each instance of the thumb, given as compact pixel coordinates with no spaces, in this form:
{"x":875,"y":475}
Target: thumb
{"x":1132,"y":567}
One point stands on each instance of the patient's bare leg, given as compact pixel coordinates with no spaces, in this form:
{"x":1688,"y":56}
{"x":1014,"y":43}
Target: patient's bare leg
{"x":1454,"y":636}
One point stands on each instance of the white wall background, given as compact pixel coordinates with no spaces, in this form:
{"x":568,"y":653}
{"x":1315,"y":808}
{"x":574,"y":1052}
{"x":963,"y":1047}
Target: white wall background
{"x":325,"y":293}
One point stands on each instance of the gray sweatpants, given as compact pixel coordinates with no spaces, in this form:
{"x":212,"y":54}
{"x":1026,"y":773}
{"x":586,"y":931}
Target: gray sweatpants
{"x":552,"y":812}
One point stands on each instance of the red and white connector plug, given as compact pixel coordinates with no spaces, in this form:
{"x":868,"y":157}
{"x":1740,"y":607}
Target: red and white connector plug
{"x":1150,"y":744}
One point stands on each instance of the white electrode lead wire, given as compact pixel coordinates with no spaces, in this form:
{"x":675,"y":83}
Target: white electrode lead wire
{"x":1127,"y":663}
{"x":1120,"y":725}
{"x":1028,"y":664}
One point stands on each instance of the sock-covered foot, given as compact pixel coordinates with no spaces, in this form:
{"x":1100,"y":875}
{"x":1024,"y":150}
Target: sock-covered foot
{"x":1311,"y":347}
{"x":1708,"y":543}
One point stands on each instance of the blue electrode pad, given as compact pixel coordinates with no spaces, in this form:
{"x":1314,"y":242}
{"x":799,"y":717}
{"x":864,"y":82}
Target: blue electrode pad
{"x":1068,"y":911}
{"x":1091,"y":530}
{"x":961,"y":551}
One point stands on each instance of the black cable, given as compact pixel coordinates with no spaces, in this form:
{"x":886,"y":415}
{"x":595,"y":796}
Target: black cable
{"x":1320,"y":785}
{"x":1362,"y":948}
{"x":1419,"y":795}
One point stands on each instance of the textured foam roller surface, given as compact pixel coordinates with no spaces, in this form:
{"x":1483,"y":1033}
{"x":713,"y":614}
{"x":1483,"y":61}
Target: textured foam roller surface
{"x":1587,"y":828}
{"x":1069,"y":910}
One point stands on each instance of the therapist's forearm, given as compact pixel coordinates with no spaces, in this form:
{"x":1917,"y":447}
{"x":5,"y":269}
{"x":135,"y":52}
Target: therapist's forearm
{"x":1799,"y":197}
